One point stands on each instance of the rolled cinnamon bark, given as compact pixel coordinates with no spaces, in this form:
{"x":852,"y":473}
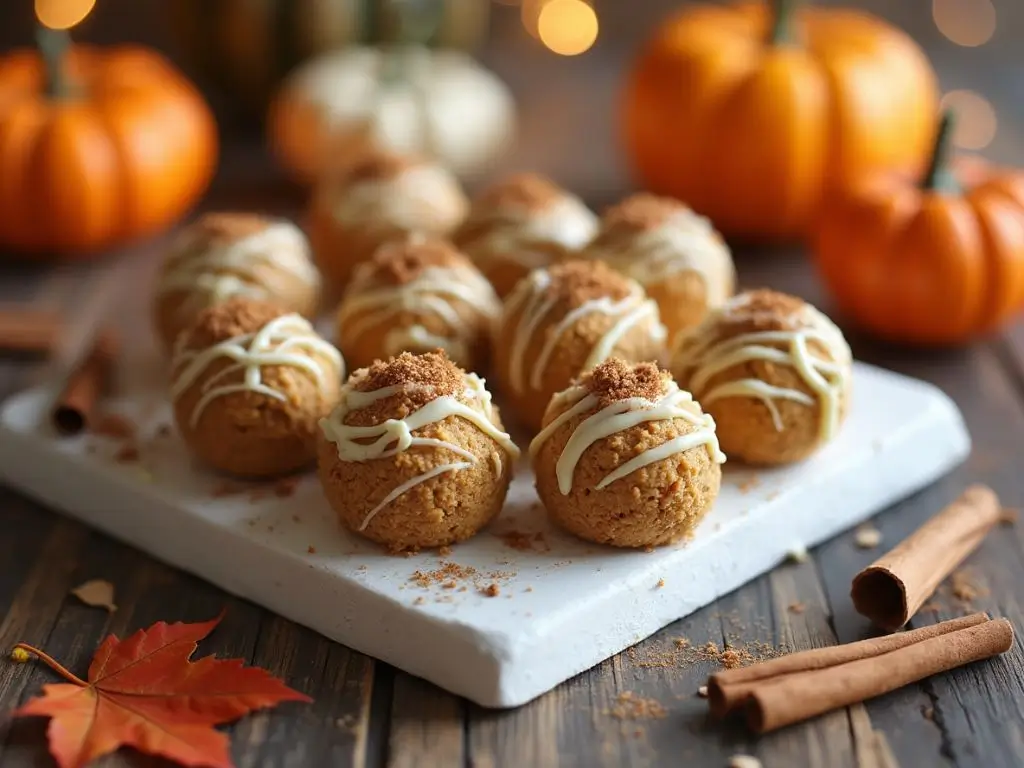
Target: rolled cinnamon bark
{"x":29,"y":330}
{"x":891,"y":589}
{"x":797,"y":697}
{"x":729,"y":690}
{"x":77,"y":401}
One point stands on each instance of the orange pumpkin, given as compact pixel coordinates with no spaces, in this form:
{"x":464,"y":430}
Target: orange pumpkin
{"x":97,"y":147}
{"x":934,"y":262}
{"x":750,"y":114}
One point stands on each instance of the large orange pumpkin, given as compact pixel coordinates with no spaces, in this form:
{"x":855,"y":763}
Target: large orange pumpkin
{"x":934,"y":262}
{"x":750,"y":114}
{"x":97,"y":148}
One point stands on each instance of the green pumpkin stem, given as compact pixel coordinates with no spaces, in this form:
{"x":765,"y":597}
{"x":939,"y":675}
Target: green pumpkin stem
{"x":939,"y":177}
{"x":782,"y":22}
{"x":53,"y":46}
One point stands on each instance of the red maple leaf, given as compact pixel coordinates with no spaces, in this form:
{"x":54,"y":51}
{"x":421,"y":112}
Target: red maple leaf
{"x":146,"y":693}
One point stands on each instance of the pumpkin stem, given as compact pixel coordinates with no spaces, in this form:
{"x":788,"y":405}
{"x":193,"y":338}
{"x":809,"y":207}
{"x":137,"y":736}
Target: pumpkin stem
{"x":53,"y":46}
{"x":939,"y":177}
{"x":782,"y":23}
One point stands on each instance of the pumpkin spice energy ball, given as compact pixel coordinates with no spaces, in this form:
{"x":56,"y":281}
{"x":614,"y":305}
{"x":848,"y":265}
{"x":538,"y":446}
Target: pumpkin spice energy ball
{"x":627,"y":458}
{"x":378,"y":198}
{"x":414,"y":455}
{"x":249,"y":383}
{"x":417,"y":295}
{"x":522,"y":223}
{"x":562,"y":321}
{"x":773,"y":371}
{"x":223,"y":255}
{"x":676,"y":255}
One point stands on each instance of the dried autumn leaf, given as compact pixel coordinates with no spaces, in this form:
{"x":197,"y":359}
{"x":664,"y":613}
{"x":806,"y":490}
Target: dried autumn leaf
{"x":146,"y":693}
{"x":97,"y":593}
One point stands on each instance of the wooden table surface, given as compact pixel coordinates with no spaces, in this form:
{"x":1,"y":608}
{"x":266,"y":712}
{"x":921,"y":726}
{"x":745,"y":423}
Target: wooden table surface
{"x":369,"y":714}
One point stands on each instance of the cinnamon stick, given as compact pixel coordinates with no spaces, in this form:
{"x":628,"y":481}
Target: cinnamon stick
{"x":797,"y":697}
{"x":892,"y":588}
{"x":29,"y":330}
{"x":729,"y":690}
{"x":76,"y":403}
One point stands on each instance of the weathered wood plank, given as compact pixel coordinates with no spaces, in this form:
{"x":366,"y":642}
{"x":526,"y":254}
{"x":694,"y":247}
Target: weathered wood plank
{"x":426,"y":725}
{"x":334,"y":729}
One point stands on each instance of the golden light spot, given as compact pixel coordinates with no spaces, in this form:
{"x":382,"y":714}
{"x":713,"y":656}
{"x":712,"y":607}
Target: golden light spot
{"x":965,"y":22}
{"x":567,"y":27}
{"x":529,"y":13}
{"x":62,"y":14}
{"x":976,"y":121}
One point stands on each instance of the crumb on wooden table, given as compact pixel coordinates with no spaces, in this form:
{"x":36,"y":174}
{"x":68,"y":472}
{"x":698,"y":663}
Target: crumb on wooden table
{"x":444,"y":551}
{"x":703,"y":691}
{"x":491,"y":590}
{"x":311,"y":549}
{"x":630,"y":706}
{"x":660,"y":584}
{"x":965,"y":586}
{"x":797,"y":607}
{"x":867,"y":536}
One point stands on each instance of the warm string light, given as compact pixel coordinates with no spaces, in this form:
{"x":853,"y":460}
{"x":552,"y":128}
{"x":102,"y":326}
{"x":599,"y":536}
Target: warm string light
{"x":965,"y":22}
{"x":566,"y":27}
{"x":976,"y":119}
{"x":62,"y":14}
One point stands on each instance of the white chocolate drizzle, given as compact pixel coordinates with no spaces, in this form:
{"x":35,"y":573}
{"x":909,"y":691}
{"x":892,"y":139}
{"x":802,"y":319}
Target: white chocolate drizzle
{"x":701,"y":356}
{"x":394,"y":436}
{"x":685,"y":242}
{"x":420,"y":198}
{"x":532,"y":297}
{"x":288,"y":341}
{"x":517,"y":234}
{"x":619,"y":416}
{"x":211,"y":275}
{"x":429,"y":293}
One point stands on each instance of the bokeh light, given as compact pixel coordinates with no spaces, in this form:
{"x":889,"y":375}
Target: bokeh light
{"x":567,"y":27}
{"x":62,"y":14}
{"x":976,"y":121}
{"x":965,"y":22}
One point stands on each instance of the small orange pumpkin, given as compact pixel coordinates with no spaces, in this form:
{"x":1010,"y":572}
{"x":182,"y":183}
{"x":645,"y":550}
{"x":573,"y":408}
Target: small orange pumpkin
{"x":750,"y":115}
{"x":97,"y":147}
{"x":936,"y":262}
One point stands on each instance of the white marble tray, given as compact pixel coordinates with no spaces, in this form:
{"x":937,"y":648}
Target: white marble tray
{"x":562,"y":607}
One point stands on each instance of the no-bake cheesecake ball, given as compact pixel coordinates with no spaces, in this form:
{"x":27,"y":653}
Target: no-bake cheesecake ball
{"x":378,"y":198}
{"x":627,"y":458}
{"x":249,"y":382}
{"x":415,"y":455}
{"x":522,"y":223}
{"x":226,"y":255}
{"x":417,"y":295}
{"x":773,"y":371}
{"x":564,"y":320}
{"x":676,"y":255}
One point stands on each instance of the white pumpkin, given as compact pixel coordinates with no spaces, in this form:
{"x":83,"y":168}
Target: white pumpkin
{"x":438,"y":103}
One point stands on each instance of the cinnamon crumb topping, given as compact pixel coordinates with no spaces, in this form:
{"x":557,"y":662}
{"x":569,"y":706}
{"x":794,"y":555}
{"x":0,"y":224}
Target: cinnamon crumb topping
{"x":423,"y":378}
{"x":235,"y":317}
{"x":640,"y":212}
{"x":615,"y":380}
{"x":400,"y":262}
{"x":377,"y":165}
{"x":577,"y":282}
{"x":520,"y":190}
{"x":225,"y":226}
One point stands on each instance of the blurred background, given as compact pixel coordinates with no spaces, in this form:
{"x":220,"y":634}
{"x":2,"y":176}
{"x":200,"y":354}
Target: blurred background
{"x":564,"y":65}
